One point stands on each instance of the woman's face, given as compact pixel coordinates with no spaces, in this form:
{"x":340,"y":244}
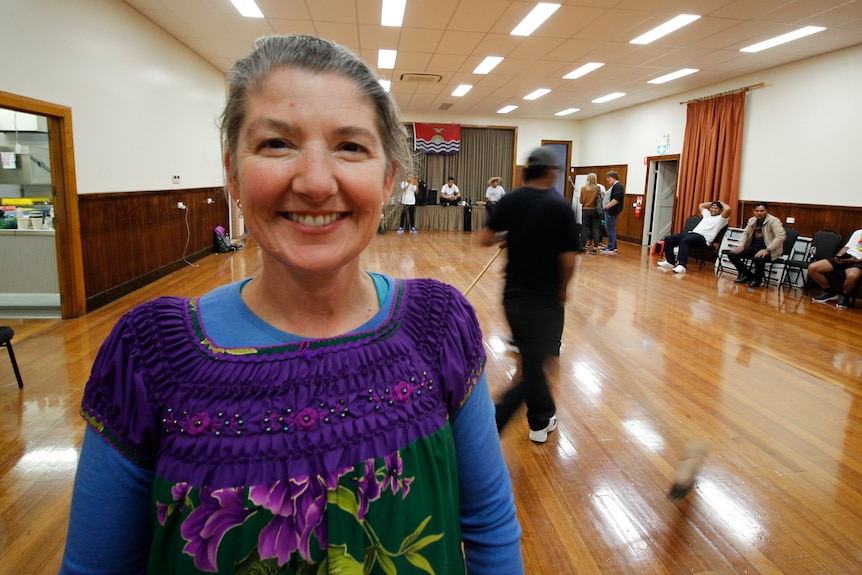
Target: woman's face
{"x":310,"y":170}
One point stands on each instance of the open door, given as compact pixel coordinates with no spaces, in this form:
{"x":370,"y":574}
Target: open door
{"x":661,"y":187}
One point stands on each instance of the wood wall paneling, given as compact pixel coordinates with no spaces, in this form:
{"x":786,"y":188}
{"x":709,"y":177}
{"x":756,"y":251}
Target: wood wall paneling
{"x":810,"y":218}
{"x":131,"y":239}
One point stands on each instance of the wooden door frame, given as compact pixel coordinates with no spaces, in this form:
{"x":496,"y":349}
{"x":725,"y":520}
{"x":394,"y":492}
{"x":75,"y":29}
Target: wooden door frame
{"x":566,"y":169}
{"x":70,"y":258}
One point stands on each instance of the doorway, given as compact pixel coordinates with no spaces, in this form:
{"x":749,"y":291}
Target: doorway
{"x":563,"y":149}
{"x":67,"y":238}
{"x":661,"y":187}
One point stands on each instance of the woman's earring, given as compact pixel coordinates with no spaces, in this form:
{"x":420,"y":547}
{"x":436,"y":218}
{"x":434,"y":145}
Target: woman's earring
{"x":239,"y":205}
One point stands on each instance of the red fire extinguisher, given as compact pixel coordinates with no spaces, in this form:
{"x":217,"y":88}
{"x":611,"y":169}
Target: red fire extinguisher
{"x":639,"y":207}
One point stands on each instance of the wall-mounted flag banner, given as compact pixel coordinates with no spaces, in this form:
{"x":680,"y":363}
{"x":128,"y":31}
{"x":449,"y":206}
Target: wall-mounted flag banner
{"x":437,"y":138}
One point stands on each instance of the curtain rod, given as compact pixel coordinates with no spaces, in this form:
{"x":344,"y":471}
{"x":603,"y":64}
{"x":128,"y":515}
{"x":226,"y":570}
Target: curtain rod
{"x":743,"y":89}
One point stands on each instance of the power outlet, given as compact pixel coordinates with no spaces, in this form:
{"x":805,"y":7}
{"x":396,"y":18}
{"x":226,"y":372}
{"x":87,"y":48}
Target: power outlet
{"x":181,"y":206}
{"x":176,"y":179}
{"x":210,"y":201}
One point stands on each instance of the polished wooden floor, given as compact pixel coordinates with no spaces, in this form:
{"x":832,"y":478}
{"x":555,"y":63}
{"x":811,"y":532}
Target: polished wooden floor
{"x":650,"y":362}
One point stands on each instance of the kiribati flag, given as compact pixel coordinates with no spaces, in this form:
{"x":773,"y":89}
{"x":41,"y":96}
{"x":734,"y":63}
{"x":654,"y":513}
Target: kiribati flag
{"x":437,"y":138}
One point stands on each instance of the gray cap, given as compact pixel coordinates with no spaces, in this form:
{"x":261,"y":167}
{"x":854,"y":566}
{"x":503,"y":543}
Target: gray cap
{"x":544,"y":156}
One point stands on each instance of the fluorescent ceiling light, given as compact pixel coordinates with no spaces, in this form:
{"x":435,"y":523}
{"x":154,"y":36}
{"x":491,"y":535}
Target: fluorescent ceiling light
{"x":462,"y":89}
{"x":583,"y":70}
{"x":673,"y":76}
{"x":487,"y":64}
{"x":247,"y":8}
{"x":386,"y":59}
{"x":609,"y":97}
{"x":385,"y":83}
{"x":665,"y":29}
{"x":789,"y":37}
{"x":534,"y":19}
{"x":506,"y":109}
{"x":392,"y":12}
{"x":537,"y":94}
{"x":567,"y":111}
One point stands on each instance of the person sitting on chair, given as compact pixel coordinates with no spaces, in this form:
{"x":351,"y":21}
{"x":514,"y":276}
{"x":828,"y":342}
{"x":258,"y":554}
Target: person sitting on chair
{"x":849,"y":260}
{"x":450,"y":195}
{"x":714,"y":216}
{"x":762,"y":240}
{"x":493,"y":194}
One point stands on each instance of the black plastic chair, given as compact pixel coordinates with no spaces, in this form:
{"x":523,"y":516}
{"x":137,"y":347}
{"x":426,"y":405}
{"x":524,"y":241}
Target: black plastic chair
{"x":710,"y":252}
{"x":824,"y":244}
{"x":791,"y":235}
{"x":691,"y":223}
{"x":6,"y":334}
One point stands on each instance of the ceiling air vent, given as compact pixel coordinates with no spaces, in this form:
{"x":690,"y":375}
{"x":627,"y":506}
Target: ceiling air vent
{"x":421,"y":78}
{"x":445,"y":106}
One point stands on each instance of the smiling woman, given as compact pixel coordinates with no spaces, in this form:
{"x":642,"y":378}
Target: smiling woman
{"x":312,"y":417}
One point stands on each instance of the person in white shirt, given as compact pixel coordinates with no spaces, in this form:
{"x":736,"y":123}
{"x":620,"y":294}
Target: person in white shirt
{"x":493,"y":193}
{"x":408,"y":205}
{"x":450,"y":195}
{"x":849,"y":260}
{"x":715,"y":215}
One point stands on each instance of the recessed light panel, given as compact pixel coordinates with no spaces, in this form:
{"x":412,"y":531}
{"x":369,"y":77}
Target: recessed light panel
{"x":784,"y":38}
{"x":583,"y":70}
{"x":534,"y":19}
{"x":609,"y":97}
{"x":506,"y":109}
{"x":487,"y":65}
{"x":392,"y":12}
{"x":537,"y":94}
{"x":673,"y":76}
{"x":247,"y":8}
{"x":665,"y":29}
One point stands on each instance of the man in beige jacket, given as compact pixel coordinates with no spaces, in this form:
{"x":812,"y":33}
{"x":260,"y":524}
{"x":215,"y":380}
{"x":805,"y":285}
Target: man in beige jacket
{"x":762,"y":241}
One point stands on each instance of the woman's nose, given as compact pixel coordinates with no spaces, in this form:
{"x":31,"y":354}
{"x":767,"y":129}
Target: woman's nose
{"x":315,"y":175}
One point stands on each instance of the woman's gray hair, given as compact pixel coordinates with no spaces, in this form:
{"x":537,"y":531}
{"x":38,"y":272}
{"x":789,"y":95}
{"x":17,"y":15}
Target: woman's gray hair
{"x":249,"y":74}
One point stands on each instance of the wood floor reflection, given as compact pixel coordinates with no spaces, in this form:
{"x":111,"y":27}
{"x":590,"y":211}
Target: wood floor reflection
{"x":650,"y":361}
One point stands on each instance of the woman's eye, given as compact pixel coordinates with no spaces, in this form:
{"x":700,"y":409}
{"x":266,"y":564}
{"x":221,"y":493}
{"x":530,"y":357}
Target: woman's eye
{"x":352,"y":147}
{"x":274,"y":144}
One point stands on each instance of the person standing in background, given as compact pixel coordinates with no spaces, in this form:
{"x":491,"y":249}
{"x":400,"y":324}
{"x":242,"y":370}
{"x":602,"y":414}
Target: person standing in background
{"x":591,"y":202}
{"x":493,"y":193}
{"x":612,"y":210}
{"x":408,"y":206}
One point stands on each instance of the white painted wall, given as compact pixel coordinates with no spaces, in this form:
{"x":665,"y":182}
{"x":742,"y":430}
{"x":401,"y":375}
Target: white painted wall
{"x":144,"y":107}
{"x":802,"y":139}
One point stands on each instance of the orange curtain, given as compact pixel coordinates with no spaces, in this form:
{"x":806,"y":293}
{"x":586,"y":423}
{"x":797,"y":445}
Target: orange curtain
{"x":711,"y":156}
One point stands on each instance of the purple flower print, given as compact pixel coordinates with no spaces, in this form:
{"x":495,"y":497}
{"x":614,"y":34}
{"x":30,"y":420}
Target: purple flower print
{"x":198,"y":423}
{"x":219,"y":511}
{"x":402,"y":391}
{"x":392,"y":478}
{"x":367,"y":490}
{"x":299,"y":507}
{"x":306,"y":419}
{"x":178,"y":495}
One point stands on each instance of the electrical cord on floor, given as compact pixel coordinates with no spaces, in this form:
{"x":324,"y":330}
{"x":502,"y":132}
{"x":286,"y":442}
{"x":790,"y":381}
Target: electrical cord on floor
{"x":188,"y":239}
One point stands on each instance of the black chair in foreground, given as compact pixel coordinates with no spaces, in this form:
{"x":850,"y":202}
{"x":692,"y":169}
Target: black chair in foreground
{"x":824,"y":244}
{"x":6,"y":334}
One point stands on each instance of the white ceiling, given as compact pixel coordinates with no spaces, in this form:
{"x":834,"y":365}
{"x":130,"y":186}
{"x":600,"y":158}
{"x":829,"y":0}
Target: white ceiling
{"x":451,"y":37}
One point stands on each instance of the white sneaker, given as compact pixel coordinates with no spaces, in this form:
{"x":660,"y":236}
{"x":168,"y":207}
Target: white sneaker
{"x":665,"y":264}
{"x":541,"y":435}
{"x":679,"y":269}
